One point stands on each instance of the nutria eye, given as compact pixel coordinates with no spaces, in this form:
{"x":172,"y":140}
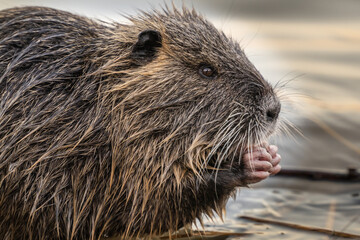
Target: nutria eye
{"x":207,"y":71}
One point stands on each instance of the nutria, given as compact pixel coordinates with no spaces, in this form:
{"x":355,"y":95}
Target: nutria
{"x":125,"y":129}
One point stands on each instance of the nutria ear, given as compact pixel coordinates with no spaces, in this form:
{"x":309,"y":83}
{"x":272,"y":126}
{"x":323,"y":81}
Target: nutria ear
{"x":146,"y":46}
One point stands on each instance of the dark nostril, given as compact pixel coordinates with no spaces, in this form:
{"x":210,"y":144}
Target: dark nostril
{"x":272,"y":113}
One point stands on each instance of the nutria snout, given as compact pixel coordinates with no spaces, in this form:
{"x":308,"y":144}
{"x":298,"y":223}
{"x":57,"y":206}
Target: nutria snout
{"x":125,"y":129}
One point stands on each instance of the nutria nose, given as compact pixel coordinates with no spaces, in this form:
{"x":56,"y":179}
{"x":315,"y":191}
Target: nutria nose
{"x":272,"y":112}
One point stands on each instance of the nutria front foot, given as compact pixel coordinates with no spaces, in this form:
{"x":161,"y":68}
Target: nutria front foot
{"x":256,"y":164}
{"x":259,"y":163}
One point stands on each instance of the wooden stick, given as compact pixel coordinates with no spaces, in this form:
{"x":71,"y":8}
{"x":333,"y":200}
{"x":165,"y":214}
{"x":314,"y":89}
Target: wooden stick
{"x":351,"y":176}
{"x":302,"y":227}
{"x":206,"y":233}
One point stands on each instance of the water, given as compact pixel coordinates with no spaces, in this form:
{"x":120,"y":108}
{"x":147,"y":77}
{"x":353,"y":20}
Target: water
{"x":316,"y":46}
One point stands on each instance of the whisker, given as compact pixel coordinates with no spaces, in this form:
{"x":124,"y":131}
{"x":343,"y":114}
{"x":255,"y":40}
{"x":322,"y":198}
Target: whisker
{"x":282,"y":83}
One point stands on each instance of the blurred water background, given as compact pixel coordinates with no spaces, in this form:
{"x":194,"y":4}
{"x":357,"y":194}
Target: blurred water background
{"x":314,"y":45}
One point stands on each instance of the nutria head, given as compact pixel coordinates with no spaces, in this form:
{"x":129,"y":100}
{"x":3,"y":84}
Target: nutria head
{"x":127,"y":129}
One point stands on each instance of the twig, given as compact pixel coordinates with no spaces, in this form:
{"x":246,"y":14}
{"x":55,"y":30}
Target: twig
{"x":206,"y":233}
{"x":352,"y":175}
{"x":302,"y":227}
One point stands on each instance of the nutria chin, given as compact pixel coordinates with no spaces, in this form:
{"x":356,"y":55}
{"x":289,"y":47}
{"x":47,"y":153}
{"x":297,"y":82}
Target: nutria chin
{"x":125,"y":129}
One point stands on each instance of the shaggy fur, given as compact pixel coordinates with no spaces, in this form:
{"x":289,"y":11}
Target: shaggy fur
{"x":99,"y":140}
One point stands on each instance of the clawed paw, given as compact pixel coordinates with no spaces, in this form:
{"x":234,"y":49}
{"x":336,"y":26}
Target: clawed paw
{"x":260,"y":163}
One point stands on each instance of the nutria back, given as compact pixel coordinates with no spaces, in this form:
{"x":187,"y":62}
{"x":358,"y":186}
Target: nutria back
{"x":122,"y":129}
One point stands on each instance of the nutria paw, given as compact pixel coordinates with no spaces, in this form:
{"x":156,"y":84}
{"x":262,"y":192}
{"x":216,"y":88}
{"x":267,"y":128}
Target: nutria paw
{"x":260,"y":163}
{"x":256,"y":164}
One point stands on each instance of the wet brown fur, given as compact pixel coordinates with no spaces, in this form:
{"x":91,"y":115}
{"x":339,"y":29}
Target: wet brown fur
{"x":95,"y":142}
